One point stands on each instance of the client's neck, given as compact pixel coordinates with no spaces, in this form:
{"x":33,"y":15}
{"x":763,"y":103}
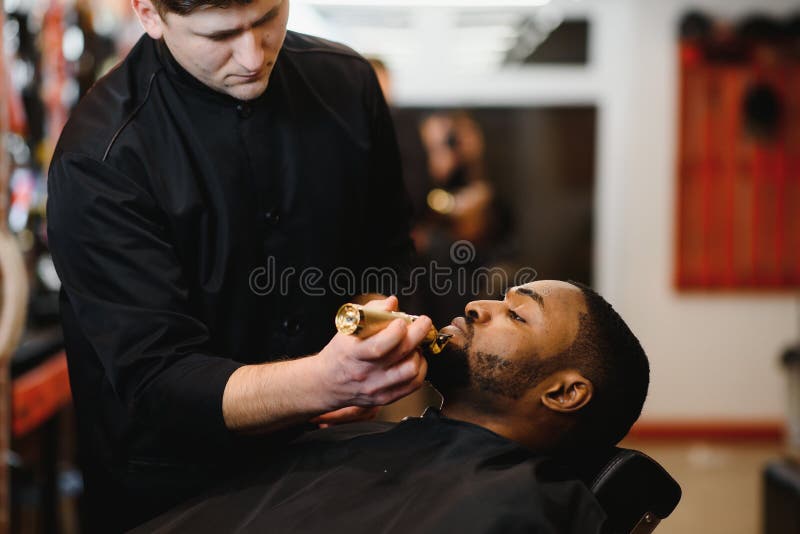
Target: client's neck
{"x":503,"y":423}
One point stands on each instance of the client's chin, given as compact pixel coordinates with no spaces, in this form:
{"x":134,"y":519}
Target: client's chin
{"x":449,"y":370}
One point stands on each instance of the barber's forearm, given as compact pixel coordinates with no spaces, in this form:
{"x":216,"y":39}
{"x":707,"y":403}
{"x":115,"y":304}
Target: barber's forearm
{"x":268,"y":397}
{"x":348,"y":371}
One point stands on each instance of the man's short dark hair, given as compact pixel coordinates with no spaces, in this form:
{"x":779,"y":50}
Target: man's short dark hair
{"x":607,"y":353}
{"x":185,"y":7}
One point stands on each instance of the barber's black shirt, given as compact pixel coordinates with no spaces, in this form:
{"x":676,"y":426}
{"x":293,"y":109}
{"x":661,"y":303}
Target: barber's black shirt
{"x":424,"y":475}
{"x":195,"y":233}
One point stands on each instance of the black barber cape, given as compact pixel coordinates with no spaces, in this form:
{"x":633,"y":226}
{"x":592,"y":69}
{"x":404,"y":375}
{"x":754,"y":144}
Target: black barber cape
{"x":427,"y":475}
{"x":181,"y":222}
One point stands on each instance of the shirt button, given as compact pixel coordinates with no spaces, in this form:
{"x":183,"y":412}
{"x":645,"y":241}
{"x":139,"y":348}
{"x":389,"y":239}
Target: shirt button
{"x":292,"y":326}
{"x":272,"y":217}
{"x":244,"y":110}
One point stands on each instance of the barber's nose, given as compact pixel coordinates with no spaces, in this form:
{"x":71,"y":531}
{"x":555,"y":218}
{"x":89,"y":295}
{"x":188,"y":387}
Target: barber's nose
{"x":480,"y":311}
{"x":249,"y":51}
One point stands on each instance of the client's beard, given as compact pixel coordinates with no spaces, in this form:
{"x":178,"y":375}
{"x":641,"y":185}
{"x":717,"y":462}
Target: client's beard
{"x":449,"y":370}
{"x":453,"y":370}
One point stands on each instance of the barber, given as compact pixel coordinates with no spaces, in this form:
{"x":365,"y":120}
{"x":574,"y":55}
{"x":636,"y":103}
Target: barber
{"x":190,"y":190}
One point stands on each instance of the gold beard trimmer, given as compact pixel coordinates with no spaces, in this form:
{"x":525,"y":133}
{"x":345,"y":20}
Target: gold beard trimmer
{"x":356,"y":320}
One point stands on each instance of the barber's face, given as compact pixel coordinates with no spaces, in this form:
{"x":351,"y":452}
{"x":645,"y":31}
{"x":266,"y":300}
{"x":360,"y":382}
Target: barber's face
{"x":499,"y":346}
{"x":231,"y":50}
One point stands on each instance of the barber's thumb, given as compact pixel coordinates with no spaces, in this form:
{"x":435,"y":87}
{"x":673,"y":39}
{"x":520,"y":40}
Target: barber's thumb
{"x":387,"y":304}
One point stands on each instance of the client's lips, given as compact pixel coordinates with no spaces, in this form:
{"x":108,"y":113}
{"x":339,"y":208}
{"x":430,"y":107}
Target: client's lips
{"x":460,"y":323}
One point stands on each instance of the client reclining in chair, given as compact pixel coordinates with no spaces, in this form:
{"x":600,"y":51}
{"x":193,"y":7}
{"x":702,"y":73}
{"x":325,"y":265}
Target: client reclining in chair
{"x":550,"y":372}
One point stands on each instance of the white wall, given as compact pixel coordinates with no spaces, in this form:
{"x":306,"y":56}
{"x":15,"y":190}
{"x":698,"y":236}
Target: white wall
{"x":713,"y":356}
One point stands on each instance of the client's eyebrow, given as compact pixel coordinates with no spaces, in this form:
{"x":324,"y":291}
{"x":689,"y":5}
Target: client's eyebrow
{"x":532,"y":294}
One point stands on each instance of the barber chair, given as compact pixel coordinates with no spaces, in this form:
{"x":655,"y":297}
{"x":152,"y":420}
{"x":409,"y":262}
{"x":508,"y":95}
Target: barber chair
{"x":633,"y":489}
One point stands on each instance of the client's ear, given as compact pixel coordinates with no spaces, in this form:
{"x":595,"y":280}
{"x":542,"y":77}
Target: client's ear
{"x":567,"y":391}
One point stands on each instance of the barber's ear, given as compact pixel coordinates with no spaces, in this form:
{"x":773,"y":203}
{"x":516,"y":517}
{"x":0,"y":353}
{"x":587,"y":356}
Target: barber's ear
{"x":567,"y":392}
{"x":149,"y":17}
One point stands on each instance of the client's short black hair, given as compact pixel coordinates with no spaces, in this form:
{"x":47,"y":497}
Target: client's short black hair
{"x":607,"y":353}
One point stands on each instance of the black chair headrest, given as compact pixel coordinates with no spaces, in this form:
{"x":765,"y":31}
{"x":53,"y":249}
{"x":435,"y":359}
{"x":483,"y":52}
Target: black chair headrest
{"x":629,"y":484}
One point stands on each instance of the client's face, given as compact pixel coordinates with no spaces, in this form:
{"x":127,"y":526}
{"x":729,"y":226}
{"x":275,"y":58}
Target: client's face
{"x":501,"y":348}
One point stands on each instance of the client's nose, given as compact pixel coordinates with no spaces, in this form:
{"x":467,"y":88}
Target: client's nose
{"x":478,"y":311}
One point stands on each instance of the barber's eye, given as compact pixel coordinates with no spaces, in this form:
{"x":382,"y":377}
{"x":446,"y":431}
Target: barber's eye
{"x":515,"y":316}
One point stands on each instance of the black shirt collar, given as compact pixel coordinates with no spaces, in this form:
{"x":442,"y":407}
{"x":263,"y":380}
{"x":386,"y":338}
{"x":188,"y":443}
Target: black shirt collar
{"x":180,"y":75}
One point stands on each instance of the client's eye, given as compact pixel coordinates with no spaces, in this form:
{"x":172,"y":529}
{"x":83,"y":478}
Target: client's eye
{"x":516,"y":316}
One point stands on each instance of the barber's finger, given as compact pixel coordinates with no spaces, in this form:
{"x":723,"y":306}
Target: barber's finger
{"x":379,"y":345}
{"x":404,"y":389}
{"x":415,"y":335}
{"x":387,"y":304}
{"x":420,"y":328}
{"x":407,"y":370}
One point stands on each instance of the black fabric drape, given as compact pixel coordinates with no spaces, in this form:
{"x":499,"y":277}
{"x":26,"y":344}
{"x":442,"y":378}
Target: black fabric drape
{"x":427,"y":475}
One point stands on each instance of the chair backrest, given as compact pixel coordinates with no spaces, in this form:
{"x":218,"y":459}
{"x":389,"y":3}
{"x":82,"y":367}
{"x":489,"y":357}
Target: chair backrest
{"x":634,"y":490}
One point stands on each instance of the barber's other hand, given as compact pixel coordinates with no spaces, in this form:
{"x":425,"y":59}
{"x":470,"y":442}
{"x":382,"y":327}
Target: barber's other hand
{"x":378,"y":370}
{"x":351,"y":414}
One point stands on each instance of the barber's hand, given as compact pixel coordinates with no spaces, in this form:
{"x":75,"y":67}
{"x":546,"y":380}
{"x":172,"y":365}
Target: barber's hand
{"x":352,"y":414}
{"x":378,"y":370}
